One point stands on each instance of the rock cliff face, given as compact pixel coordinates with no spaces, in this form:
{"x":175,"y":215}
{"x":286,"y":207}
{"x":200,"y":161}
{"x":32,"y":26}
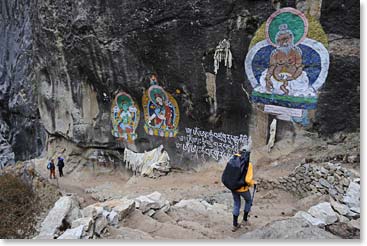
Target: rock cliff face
{"x":86,"y":51}
{"x":339,"y":104}
{"x":25,"y":136}
{"x":62,"y":62}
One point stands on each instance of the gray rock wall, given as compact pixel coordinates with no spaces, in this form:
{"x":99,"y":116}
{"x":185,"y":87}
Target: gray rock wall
{"x":86,"y":51}
{"x":339,"y":101}
{"x":307,"y":179}
{"x":103,"y":47}
{"x":18,"y":104}
{"x":61,"y":63}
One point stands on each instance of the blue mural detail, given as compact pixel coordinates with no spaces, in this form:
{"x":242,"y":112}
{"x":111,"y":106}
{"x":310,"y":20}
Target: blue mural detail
{"x":288,"y":104}
{"x":303,"y":120}
{"x":152,"y":109}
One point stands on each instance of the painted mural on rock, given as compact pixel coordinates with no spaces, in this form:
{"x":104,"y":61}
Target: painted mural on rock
{"x":287,"y":62}
{"x":161,"y":112}
{"x":125,"y":117}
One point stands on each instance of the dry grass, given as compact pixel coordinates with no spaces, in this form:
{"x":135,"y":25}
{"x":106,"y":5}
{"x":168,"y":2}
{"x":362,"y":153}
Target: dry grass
{"x":18,"y":208}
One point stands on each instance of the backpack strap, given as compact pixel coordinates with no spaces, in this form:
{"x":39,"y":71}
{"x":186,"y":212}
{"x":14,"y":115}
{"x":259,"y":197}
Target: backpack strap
{"x":245,"y":157}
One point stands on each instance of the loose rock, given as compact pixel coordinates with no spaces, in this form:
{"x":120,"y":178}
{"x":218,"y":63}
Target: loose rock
{"x":323,"y":211}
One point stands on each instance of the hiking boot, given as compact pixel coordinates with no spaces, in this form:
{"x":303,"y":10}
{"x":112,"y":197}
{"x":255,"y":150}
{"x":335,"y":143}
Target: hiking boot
{"x":245,"y":215}
{"x":245,"y":223}
{"x":235,"y":228}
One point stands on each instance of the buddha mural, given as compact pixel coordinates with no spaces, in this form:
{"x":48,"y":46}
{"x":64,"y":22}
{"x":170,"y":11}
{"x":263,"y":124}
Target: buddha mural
{"x":287,"y":67}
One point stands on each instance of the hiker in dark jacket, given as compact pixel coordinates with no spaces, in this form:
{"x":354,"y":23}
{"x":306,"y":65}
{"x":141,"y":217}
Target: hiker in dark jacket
{"x":51,"y":167}
{"x":243,"y":192}
{"x":60,"y":165}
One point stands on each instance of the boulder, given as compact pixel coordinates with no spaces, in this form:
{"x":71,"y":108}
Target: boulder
{"x":324,"y":183}
{"x":122,"y":207}
{"x":156,"y":196}
{"x":65,"y":210}
{"x":92,"y":211}
{"x":342,"y":219}
{"x":192,"y":204}
{"x":86,"y":222}
{"x":344,"y":231}
{"x":331,"y":179}
{"x":340,"y":208}
{"x":331,"y":166}
{"x":89,"y":211}
{"x":206,"y":204}
{"x":219,"y":207}
{"x":314,"y":221}
{"x":105,"y":213}
{"x":113,"y":218}
{"x":152,"y":201}
{"x":150,"y":212}
{"x":292,"y":228}
{"x":324,"y":171}
{"x":352,"y":196}
{"x":333,"y":192}
{"x":356,"y":210}
{"x":74,"y":233}
{"x":323,"y":211}
{"x":345,"y":181}
{"x":75,"y":211}
{"x":166,"y":207}
{"x":355,"y":224}
{"x":110,"y":204}
{"x":352,"y":215}
{"x":100,"y":225}
{"x":339,"y":189}
{"x":125,"y":207}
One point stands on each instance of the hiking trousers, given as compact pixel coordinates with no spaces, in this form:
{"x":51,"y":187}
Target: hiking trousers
{"x":237,"y":202}
{"x":61,"y":173}
{"x":52,"y":173}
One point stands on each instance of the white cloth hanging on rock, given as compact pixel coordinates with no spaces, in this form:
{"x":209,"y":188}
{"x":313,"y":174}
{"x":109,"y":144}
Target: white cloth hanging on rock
{"x":222,"y":52}
{"x":153,"y":163}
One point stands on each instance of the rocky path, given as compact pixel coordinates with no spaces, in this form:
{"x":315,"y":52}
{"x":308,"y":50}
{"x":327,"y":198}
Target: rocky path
{"x":207,"y":209}
{"x":190,"y":222}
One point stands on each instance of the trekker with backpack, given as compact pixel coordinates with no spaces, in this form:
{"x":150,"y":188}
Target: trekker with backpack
{"x":51,"y":167}
{"x":238,"y":177}
{"x":60,"y":165}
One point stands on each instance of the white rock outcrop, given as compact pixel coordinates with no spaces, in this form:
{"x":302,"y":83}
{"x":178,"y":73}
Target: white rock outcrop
{"x":65,"y":210}
{"x":352,"y":196}
{"x":292,"y":228}
{"x":74,"y":233}
{"x":314,"y":221}
{"x":152,"y":201}
{"x":324,"y":212}
{"x":340,"y":208}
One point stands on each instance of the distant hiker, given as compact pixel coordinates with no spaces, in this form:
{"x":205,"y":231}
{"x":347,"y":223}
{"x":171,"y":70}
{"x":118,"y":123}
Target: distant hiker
{"x":238,"y":177}
{"x":60,"y":165}
{"x":51,"y":167}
